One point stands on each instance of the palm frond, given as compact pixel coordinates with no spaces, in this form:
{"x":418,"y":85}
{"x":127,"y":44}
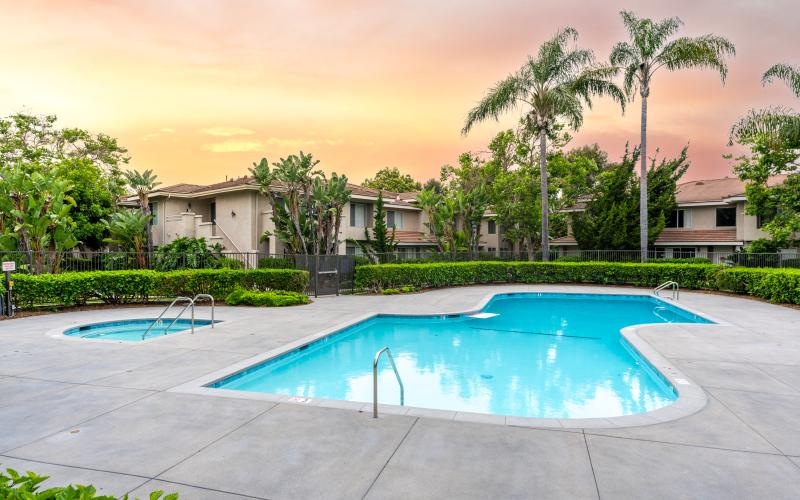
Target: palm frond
{"x":789,"y":74}
{"x":774,"y":123}
{"x":501,"y":98}
{"x":707,"y":51}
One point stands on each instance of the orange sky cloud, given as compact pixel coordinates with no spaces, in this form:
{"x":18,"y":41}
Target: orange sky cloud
{"x":199,"y":90}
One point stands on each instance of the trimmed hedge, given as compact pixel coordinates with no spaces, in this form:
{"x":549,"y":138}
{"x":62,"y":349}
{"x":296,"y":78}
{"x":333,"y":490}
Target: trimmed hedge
{"x":118,"y":287}
{"x":275,"y":298}
{"x":778,"y":285}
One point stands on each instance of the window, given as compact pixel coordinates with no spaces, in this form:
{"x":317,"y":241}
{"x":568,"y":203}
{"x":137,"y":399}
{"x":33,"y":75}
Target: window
{"x":394,"y":219}
{"x":683,"y":253}
{"x":358,"y":213}
{"x":676,"y":219}
{"x":492,"y":227}
{"x":212,"y":209}
{"x":153,"y":207}
{"x":762,"y":219}
{"x":726,"y":217}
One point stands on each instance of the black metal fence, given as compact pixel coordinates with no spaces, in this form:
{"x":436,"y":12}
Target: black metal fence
{"x":335,"y":273}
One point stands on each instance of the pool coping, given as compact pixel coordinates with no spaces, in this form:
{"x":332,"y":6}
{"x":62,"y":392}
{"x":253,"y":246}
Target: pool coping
{"x":691,"y":398}
{"x":58,"y":332}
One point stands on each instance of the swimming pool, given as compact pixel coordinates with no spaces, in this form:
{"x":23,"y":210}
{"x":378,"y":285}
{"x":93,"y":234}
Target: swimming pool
{"x":131,"y":330}
{"x":543,"y":355}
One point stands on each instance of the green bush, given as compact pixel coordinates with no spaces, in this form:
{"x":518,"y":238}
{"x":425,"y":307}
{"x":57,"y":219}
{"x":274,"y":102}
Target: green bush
{"x":14,"y":485}
{"x":275,"y":263}
{"x":184,"y":253}
{"x":777,"y":285}
{"x":685,"y":260}
{"x":116,"y":287}
{"x":275,"y":298}
{"x":396,"y":291}
{"x":228,"y":263}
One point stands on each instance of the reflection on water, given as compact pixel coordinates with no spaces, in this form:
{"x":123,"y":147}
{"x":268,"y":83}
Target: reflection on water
{"x":555,"y":356}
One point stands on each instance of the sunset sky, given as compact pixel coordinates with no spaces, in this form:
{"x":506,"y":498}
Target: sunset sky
{"x":198,"y":90}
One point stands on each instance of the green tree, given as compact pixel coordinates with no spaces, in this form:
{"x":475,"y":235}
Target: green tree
{"x":95,"y":195}
{"x":128,"y":230}
{"x":552,"y":89}
{"x":142,"y":183}
{"x":306,"y":206}
{"x":650,"y":48}
{"x":381,"y":243}
{"x":610,"y":219}
{"x":773,"y":136}
{"x":469,"y":187}
{"x":392,"y":180}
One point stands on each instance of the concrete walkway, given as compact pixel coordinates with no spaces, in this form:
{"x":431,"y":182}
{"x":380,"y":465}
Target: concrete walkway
{"x":100,"y":413}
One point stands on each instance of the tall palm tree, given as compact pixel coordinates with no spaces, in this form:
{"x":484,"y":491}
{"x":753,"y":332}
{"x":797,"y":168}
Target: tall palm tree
{"x":652,"y":47}
{"x":142,"y":184}
{"x":550,"y":89}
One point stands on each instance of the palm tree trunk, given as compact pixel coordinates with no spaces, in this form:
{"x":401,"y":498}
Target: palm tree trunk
{"x":545,"y":208}
{"x":643,"y":184}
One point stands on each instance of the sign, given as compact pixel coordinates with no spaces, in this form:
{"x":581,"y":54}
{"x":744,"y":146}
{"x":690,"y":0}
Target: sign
{"x":9,"y":265}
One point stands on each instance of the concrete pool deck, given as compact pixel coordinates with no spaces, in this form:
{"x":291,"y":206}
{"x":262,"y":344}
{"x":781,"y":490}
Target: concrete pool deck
{"x":103,"y":413}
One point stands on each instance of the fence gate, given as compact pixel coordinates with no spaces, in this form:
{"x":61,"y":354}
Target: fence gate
{"x":329,"y":274}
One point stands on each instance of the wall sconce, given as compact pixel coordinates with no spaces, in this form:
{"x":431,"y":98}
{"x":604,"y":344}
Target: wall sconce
{"x":233,"y":214}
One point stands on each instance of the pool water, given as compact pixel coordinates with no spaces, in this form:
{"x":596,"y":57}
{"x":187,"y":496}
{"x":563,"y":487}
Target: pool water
{"x":534,"y":355}
{"x":131,"y":330}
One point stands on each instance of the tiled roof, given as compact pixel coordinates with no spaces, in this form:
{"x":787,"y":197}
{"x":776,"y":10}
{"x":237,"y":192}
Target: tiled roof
{"x":182,"y":188}
{"x":677,"y":236}
{"x":697,"y":235}
{"x":712,"y":190}
{"x":413,"y":237}
{"x":240,"y":181}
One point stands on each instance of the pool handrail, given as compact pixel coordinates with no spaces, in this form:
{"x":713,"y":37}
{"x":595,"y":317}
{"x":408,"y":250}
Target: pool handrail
{"x":194,"y":301}
{"x":157,"y":320}
{"x":676,"y":289}
{"x":375,"y":379}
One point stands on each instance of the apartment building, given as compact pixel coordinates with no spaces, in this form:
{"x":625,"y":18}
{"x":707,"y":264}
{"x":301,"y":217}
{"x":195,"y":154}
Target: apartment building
{"x":237,"y":215}
{"x":710,"y":218}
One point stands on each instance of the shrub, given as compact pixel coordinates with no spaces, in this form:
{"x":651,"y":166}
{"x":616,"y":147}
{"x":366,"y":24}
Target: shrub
{"x":685,"y":260}
{"x":115,"y":287}
{"x":184,"y":253}
{"x":570,"y":258}
{"x":275,"y":263}
{"x":228,"y":263}
{"x":396,"y":291}
{"x":777,"y":285}
{"x":275,"y":298}
{"x":14,"y":485}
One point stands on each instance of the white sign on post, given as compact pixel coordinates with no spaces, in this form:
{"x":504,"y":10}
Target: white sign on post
{"x":9,"y":265}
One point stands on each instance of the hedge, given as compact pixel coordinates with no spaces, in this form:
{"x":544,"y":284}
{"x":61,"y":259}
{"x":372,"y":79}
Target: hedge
{"x":274,"y":298}
{"x":117,"y":287}
{"x":778,"y":285}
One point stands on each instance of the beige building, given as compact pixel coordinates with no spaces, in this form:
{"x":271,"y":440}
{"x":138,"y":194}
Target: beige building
{"x":710,"y":219}
{"x":237,"y":215}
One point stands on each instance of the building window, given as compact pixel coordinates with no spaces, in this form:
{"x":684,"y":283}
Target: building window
{"x":676,"y":219}
{"x":394,"y":219}
{"x":726,"y":217}
{"x":683,"y":253}
{"x":492,"y":229}
{"x":212,"y":210}
{"x":153,"y":208}
{"x":358,"y":215}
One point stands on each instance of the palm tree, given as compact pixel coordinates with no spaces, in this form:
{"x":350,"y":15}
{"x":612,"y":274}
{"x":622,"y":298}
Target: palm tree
{"x":142,"y":184}
{"x":128,"y":230}
{"x":551,"y":89}
{"x":652,"y":47}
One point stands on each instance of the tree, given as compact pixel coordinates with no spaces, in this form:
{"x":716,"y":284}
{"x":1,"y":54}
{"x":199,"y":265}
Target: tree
{"x":89,"y":164}
{"x":306,"y":205}
{"x":390,"y":179}
{"x":35,"y":210}
{"x":789,"y":74}
{"x":552,"y":88}
{"x":383,"y":243}
{"x":142,"y":184}
{"x":610,"y":219}
{"x":650,"y":48}
{"x":128,"y":230}
{"x":468,"y":186}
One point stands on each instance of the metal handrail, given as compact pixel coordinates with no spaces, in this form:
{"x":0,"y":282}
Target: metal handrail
{"x":676,"y":289}
{"x":157,"y":320}
{"x":375,"y":380}
{"x":177,"y":317}
{"x":203,"y":296}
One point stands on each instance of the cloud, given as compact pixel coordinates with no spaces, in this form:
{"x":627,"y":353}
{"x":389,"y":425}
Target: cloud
{"x":234,"y":146}
{"x":226,"y":131}
{"x":159,"y":133}
{"x":291,"y":142}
